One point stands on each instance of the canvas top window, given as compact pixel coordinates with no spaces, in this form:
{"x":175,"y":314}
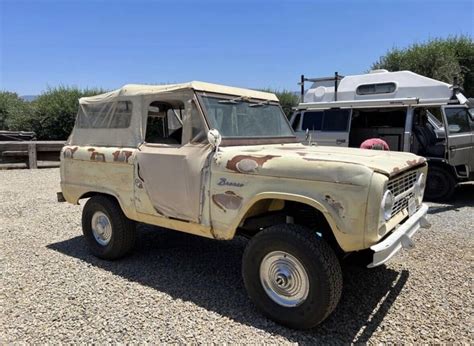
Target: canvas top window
{"x":103,"y":115}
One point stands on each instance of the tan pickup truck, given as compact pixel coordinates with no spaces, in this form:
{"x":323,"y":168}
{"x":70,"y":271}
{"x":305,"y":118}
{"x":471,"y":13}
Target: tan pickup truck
{"x":219,"y":161}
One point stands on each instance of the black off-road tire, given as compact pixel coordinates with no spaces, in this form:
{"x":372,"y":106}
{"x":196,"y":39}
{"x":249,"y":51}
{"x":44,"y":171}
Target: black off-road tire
{"x":440,"y":184}
{"x":319,"y":261}
{"x":123,"y":229}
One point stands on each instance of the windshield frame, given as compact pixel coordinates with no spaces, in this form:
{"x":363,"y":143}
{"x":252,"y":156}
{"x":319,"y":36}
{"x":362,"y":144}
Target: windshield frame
{"x":230,"y":141}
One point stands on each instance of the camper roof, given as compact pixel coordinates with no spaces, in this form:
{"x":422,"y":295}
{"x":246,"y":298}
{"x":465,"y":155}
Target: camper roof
{"x":377,"y":88}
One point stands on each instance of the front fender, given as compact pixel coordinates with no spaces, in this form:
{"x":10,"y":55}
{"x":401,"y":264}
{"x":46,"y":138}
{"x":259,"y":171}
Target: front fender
{"x":328,"y":207}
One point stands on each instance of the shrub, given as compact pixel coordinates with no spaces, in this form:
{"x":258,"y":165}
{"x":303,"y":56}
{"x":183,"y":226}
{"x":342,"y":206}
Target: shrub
{"x":441,"y":59}
{"x":288,"y":100}
{"x":56,"y":110}
{"x":12,"y":110}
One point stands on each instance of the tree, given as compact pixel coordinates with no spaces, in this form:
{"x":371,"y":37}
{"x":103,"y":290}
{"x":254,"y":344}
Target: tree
{"x":288,"y":100}
{"x":12,"y":107}
{"x":56,"y":110}
{"x":441,"y":59}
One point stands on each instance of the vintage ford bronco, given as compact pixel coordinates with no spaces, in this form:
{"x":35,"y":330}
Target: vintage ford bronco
{"x":219,"y":161}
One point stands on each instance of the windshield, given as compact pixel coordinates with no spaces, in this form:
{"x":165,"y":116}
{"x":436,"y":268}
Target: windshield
{"x":239,"y":117}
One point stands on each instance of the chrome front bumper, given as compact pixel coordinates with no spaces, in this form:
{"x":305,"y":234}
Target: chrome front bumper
{"x":399,"y":238}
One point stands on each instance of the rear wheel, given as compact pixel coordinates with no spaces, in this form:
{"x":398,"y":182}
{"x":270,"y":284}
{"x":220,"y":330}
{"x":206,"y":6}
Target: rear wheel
{"x":292,"y":275}
{"x":108,"y":232}
{"x":440,"y":184}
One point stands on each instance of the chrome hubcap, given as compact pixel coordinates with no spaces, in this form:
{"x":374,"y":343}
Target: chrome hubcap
{"x":101,"y":228}
{"x":284,"y":279}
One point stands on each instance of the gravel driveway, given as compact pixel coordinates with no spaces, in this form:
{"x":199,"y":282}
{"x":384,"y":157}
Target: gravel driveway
{"x":180,"y":288}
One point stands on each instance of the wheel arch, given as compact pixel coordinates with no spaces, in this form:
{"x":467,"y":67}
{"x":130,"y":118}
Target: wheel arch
{"x":277,"y":200}
{"x":106,"y":193}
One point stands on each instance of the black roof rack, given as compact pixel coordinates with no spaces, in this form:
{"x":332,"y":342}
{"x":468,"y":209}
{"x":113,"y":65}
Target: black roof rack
{"x":337,"y":77}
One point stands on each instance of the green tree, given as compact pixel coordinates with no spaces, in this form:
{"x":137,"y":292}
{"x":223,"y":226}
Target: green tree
{"x":288,"y":100}
{"x":56,"y":110}
{"x":12,"y":107}
{"x":441,"y":59}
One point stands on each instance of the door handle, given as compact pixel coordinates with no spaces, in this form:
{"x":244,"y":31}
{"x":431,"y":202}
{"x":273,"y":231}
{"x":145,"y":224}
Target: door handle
{"x":340,"y":141}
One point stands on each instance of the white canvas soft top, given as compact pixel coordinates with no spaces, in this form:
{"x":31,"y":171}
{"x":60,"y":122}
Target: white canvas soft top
{"x":97,"y":123}
{"x":409,"y":87}
{"x":130,"y":90}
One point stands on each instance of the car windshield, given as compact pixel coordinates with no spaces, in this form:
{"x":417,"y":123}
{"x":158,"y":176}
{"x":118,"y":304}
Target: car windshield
{"x":241,"y":117}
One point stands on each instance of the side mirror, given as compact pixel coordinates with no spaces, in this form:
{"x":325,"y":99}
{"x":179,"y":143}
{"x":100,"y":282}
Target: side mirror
{"x":214,"y":138}
{"x":454,"y":128}
{"x":307,"y":135}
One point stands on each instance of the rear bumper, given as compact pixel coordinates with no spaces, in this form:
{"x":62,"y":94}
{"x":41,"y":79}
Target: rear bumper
{"x":399,"y":238}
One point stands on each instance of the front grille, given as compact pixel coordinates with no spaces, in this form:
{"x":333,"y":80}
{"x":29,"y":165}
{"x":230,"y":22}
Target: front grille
{"x":402,"y":183}
{"x":401,"y":204}
{"x":402,"y":190}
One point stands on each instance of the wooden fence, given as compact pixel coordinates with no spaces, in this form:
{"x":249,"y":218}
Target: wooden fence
{"x":30,"y":154}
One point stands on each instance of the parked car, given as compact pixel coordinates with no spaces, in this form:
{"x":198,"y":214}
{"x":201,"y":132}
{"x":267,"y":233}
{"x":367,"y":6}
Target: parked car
{"x":217,"y":162}
{"x":17,"y":136}
{"x":412,"y":113}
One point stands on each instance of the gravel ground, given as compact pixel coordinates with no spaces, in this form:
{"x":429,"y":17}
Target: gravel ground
{"x":181,"y":288}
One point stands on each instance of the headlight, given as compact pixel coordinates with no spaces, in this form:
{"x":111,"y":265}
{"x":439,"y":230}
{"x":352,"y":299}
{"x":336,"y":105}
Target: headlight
{"x":387,"y":205}
{"x":419,"y":188}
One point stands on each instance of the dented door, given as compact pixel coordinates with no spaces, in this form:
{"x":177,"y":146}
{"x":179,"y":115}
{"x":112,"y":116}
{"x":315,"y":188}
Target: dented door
{"x":170,"y":177}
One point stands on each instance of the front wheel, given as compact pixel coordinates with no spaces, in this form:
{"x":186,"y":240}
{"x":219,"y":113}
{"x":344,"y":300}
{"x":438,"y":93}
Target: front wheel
{"x":109,"y":233}
{"x":292,"y":275}
{"x":440,"y":184}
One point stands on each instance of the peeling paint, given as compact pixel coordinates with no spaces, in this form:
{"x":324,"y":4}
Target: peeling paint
{"x":96,"y":156}
{"x":415,"y":161}
{"x":336,"y":205}
{"x":247,"y":163}
{"x":228,"y":200}
{"x":69,"y":152}
{"x":122,"y":155}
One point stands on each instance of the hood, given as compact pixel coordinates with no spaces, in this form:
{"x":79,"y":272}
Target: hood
{"x":333,"y":164}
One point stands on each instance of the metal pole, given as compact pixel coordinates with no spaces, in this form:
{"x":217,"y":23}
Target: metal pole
{"x":336,"y":78}
{"x":302,"y":88}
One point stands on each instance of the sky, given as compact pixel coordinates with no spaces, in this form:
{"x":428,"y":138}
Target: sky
{"x":254,"y":44}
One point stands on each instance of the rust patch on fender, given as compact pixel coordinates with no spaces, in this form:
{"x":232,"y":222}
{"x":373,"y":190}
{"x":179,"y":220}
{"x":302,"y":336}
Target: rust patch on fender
{"x":122,"y":155}
{"x":69,"y":152}
{"x":227,"y":200}
{"x":336,"y":205}
{"x":247,"y":163}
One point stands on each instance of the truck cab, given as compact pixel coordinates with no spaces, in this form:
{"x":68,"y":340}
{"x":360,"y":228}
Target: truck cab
{"x":409,"y":112}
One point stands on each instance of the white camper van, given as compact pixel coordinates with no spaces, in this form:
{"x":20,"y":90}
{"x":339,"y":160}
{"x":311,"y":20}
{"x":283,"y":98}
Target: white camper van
{"x":410,"y":112}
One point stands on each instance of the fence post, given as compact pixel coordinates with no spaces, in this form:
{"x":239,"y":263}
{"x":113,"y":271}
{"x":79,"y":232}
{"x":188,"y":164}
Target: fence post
{"x":32,"y":163}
